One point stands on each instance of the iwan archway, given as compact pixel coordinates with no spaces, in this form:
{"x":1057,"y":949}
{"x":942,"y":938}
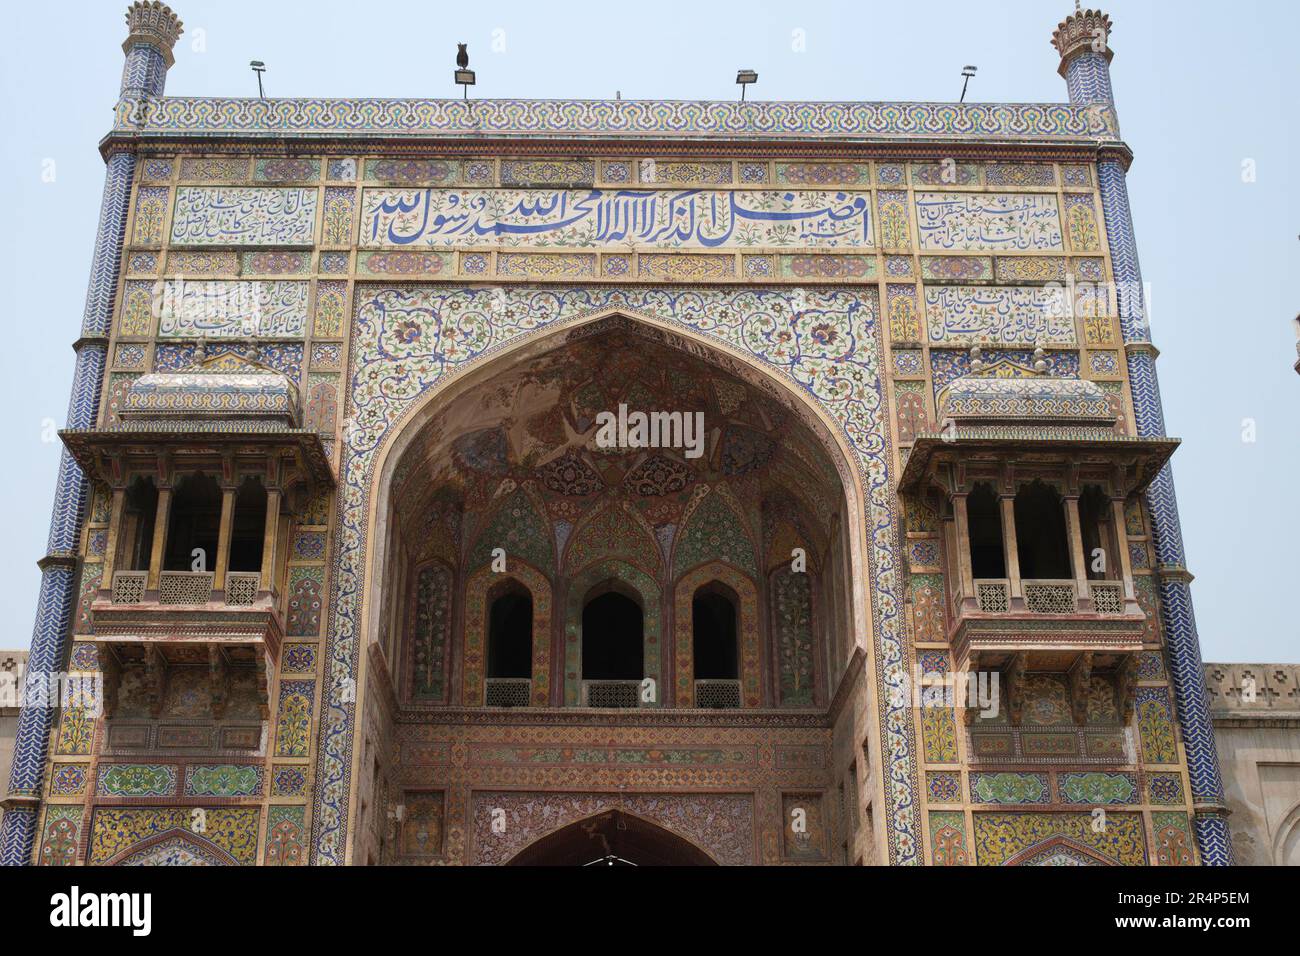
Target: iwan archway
{"x":499,"y":463}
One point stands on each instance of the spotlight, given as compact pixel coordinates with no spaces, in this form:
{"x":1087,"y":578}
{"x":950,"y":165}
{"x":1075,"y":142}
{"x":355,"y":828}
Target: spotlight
{"x":744,"y":78}
{"x":967,"y":72}
{"x":259,"y":68}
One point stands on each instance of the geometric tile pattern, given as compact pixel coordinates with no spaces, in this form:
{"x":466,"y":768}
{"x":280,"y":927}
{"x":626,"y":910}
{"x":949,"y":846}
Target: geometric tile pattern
{"x":1088,"y":79}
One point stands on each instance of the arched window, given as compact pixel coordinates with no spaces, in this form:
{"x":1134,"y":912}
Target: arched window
{"x":713,"y":628}
{"x":248,"y":526}
{"x":510,"y":634}
{"x":195,"y":522}
{"x":1041,"y":539}
{"x":612,"y":629}
{"x":135,"y":533}
{"x":984,"y":519}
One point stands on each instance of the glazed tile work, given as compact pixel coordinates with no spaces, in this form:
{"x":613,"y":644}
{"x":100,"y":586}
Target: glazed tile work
{"x":446,"y":324}
{"x":595,"y":218}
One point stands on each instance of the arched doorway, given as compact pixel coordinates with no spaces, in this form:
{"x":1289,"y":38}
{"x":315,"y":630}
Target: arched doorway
{"x":612,"y":838}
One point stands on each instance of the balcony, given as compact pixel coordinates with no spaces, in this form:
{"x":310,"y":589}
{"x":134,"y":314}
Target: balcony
{"x":1030,"y":475}
{"x":205,"y":466}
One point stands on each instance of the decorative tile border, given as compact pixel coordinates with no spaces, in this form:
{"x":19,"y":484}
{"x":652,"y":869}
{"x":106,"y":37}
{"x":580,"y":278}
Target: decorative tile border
{"x":624,"y":119}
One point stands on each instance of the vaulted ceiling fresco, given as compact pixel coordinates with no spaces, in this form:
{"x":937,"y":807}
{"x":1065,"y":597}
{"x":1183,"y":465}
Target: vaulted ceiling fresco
{"x":516,"y":463}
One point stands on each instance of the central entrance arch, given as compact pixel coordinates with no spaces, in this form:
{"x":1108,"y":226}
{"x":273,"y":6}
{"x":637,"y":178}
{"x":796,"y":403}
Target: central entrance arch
{"x":612,"y":838}
{"x":437,"y":462}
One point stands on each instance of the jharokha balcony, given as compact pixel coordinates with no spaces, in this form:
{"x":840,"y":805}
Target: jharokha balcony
{"x":207,"y":467}
{"x":1031,"y":475}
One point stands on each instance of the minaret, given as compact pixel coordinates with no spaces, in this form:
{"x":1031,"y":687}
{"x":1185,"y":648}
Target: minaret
{"x":153,"y":30}
{"x":1083,"y":41}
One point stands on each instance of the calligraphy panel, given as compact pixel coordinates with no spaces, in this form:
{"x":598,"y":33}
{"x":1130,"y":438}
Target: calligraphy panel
{"x":981,"y":222}
{"x":967,"y":315}
{"x":232,"y":309}
{"x":244,"y":216}
{"x":589,"y":218}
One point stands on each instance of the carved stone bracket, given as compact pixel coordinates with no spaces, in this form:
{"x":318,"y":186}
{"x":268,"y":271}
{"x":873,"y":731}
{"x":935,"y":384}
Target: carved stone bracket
{"x":1014,"y":680}
{"x":970,"y":709}
{"x":112,"y":671}
{"x":155,"y":679}
{"x":1080,"y":681}
{"x":218,"y":680}
{"x":265,"y":668}
{"x":1126,"y":685}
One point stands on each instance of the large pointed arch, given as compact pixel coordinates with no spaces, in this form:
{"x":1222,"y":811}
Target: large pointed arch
{"x":829,"y":348}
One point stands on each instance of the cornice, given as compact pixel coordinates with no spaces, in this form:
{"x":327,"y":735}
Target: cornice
{"x":680,"y":121}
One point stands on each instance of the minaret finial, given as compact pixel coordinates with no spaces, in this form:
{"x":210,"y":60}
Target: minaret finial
{"x":1084,"y":31}
{"x":152,"y":23}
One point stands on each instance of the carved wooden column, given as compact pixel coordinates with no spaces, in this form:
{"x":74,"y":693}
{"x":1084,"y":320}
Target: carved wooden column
{"x":160,"y":521}
{"x":1010,"y":547}
{"x":270,"y":537}
{"x":1121,"y":546}
{"x":114,"y":532}
{"x":223,"y":537}
{"x":1074,"y":530}
{"x":962,"y":523}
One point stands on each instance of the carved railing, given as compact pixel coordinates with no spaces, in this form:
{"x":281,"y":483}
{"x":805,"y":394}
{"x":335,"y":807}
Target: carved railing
{"x":717,"y":694}
{"x":1050,"y":597}
{"x":1107,"y":596}
{"x":129,"y":586}
{"x":242,"y":587}
{"x":611,"y":693}
{"x":508,"y":691}
{"x":993,"y":595}
{"x":185,"y":587}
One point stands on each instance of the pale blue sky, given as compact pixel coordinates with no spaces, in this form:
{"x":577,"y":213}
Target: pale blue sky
{"x":1200,"y":86}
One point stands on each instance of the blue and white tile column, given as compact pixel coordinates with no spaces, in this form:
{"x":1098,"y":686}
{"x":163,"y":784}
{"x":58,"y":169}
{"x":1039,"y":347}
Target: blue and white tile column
{"x":153,"y":31}
{"x":1082,"y":41}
